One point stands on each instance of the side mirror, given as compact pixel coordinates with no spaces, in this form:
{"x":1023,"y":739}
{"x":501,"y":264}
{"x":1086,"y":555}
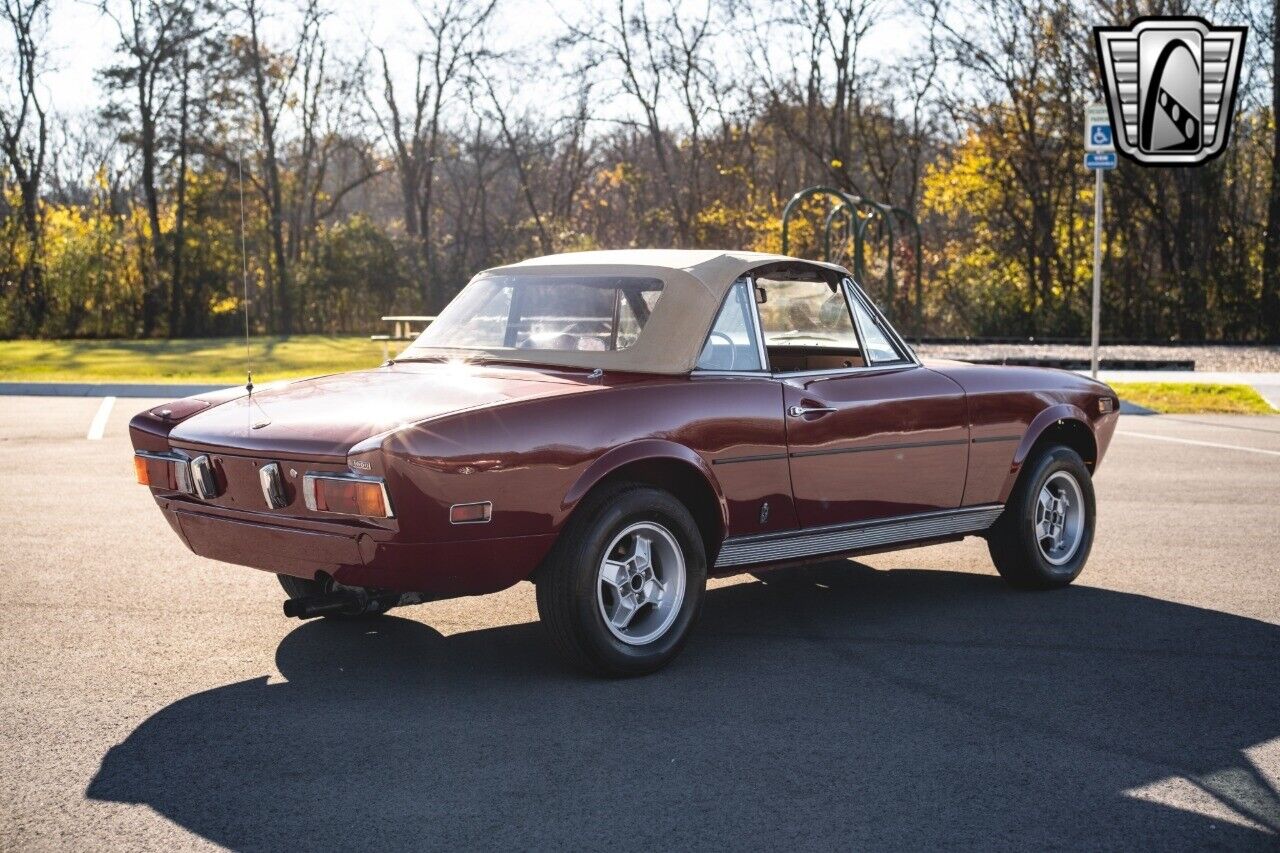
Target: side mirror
{"x":761,"y":296}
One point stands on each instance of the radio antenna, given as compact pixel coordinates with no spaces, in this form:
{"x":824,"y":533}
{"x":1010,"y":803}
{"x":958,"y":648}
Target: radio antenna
{"x":244,"y":275}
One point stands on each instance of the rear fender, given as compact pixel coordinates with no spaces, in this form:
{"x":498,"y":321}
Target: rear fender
{"x":652,"y":449}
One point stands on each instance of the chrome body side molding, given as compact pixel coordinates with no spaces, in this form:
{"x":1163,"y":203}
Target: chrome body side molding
{"x":798,"y":544}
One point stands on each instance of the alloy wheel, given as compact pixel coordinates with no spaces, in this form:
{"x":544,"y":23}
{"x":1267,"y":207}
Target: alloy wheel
{"x":640,"y":584}
{"x":1059,"y":518}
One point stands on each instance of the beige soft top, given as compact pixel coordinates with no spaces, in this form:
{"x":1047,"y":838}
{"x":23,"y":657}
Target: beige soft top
{"x":694,"y":281}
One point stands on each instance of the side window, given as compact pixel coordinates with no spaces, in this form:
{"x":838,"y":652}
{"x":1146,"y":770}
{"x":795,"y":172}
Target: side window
{"x":731,"y":344}
{"x":805,"y":314}
{"x":806,"y":325}
{"x":880,"y":348}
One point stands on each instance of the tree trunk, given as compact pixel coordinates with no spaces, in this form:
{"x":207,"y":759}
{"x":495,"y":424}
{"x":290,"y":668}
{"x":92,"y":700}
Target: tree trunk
{"x":1270,"y":308}
{"x":283,"y":314}
{"x":284,"y":285}
{"x":425,"y":197}
{"x":34,"y":298}
{"x":180,"y":214}
{"x":522,"y":171}
{"x":151,"y":298}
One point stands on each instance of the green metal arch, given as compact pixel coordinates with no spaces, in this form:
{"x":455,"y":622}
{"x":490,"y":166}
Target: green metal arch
{"x":832,"y":216}
{"x":851,"y":206}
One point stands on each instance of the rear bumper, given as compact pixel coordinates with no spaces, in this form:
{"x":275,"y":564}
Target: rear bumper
{"x":357,"y":558}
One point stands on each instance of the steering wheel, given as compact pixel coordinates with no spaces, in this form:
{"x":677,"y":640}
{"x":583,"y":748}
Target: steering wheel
{"x":733,"y":350}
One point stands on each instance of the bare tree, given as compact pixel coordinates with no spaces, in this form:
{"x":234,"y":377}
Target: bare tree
{"x":81,"y":156}
{"x":180,"y":194}
{"x":412,"y":130}
{"x":153,"y":37}
{"x":327,"y":134}
{"x":518,"y":158}
{"x":658,"y":58}
{"x":1267,"y":27}
{"x":24,"y":136}
{"x":268,"y":95}
{"x":1024,"y":85}
{"x":271,"y":83}
{"x":813,"y":94}
{"x":573,"y":156}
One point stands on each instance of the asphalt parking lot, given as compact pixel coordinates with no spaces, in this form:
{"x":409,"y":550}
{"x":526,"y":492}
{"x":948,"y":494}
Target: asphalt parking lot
{"x":152,"y":699}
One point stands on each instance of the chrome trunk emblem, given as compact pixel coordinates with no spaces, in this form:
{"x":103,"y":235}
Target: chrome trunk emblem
{"x":273,"y":486}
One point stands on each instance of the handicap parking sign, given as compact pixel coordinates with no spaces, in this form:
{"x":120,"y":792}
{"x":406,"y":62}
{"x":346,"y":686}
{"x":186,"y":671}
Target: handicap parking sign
{"x":1098,"y":136}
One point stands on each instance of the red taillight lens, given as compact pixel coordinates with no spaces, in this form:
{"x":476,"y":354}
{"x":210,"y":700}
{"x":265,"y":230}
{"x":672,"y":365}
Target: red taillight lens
{"x":141,"y":472}
{"x":347,"y":496}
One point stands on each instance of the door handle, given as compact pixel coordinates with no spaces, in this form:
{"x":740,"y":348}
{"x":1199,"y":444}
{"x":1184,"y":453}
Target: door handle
{"x":801,"y":411}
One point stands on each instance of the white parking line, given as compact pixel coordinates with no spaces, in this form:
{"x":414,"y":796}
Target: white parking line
{"x":99,"y":425}
{"x":1199,"y":443}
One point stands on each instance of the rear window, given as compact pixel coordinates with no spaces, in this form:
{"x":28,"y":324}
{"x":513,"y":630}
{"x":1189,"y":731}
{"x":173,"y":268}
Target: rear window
{"x":545,"y":313}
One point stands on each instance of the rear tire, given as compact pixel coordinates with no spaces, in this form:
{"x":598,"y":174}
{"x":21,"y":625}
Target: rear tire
{"x":295,"y":587}
{"x":624,"y":583}
{"x":1044,"y":536}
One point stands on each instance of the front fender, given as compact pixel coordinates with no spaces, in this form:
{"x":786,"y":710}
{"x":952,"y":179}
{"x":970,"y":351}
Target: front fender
{"x":650,"y":449}
{"x":1044,"y":420}
{"x":1041,"y":422}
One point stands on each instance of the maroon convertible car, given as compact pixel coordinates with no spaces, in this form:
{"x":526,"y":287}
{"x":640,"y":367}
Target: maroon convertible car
{"x":616,"y":427}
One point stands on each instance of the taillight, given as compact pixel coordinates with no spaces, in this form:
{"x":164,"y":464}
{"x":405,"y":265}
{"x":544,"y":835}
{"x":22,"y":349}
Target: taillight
{"x":175,"y":472}
{"x":346,"y":495}
{"x":163,"y":471}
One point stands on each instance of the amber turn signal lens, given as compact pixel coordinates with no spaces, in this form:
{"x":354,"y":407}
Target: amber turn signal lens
{"x":140,"y":471}
{"x":477,"y":513}
{"x":350,"y":497}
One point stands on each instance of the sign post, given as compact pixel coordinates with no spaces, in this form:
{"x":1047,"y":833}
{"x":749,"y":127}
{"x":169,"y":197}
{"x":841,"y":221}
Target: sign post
{"x":1100,"y":155}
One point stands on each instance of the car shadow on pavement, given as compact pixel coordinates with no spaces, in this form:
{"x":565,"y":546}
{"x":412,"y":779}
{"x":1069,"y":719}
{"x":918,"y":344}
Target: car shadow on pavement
{"x":876,"y":709}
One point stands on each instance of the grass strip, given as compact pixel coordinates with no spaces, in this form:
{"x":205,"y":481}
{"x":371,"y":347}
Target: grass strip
{"x":1193,"y":398}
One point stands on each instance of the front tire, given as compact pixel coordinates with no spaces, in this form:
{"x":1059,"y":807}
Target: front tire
{"x":623,"y":585}
{"x":1044,"y":536}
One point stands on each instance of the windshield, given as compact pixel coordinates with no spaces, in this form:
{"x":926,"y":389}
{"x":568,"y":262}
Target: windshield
{"x":549,"y":313}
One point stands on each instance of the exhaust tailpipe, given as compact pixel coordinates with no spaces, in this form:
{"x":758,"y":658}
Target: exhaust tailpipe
{"x":328,"y":604}
{"x":348,"y":601}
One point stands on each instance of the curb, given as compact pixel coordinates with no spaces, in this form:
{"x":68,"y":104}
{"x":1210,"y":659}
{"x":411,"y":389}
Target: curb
{"x":167,"y":391}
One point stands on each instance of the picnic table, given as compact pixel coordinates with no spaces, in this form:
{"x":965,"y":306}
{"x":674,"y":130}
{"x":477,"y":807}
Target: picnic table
{"x":402,"y":326}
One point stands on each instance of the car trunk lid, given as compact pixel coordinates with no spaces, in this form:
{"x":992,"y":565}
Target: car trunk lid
{"x":323,"y":418}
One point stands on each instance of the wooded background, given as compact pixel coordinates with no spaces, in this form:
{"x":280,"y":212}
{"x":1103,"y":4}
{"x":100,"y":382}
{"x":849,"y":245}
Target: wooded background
{"x":378,"y":178}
